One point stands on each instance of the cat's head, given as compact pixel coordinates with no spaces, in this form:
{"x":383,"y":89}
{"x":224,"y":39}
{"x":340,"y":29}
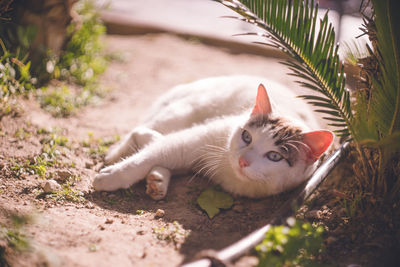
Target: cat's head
{"x":269,"y":148}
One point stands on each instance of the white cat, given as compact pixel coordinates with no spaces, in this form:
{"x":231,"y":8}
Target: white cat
{"x":210,"y":127}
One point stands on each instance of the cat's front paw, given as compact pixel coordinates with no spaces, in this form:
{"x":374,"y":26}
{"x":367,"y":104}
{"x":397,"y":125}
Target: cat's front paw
{"x":110,"y":179}
{"x":157,"y":183}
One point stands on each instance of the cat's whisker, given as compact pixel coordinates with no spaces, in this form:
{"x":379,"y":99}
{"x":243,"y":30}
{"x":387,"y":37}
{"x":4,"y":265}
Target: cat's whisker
{"x":293,"y":146}
{"x":300,"y":143}
{"x":284,"y":148}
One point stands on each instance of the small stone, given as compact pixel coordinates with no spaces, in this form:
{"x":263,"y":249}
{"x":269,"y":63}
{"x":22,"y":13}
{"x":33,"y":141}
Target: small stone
{"x":313,"y":214}
{"x":238,"y":208}
{"x":64,"y":175}
{"x":88,"y":165}
{"x":160,"y":213}
{"x":142,"y":254}
{"x":101,"y":227}
{"x":89,"y":206}
{"x":109,"y":221}
{"x":140,"y":232}
{"x":51,"y":186}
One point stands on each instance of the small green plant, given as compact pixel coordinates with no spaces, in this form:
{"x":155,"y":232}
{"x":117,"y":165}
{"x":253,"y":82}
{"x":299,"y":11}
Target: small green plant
{"x":174,"y":233}
{"x":10,"y":107}
{"x":351,"y":205}
{"x":52,"y":143}
{"x":14,"y":235}
{"x":37,"y":165}
{"x":15,"y":75}
{"x":64,"y":101}
{"x":296,"y":245}
{"x":140,"y":212}
{"x":99,"y":146}
{"x":22,"y":134}
{"x":68,"y":193}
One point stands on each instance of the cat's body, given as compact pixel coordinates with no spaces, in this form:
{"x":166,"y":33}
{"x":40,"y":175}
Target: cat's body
{"x":211,"y":127}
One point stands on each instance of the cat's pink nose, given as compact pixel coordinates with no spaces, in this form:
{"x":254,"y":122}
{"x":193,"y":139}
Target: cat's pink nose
{"x":243,"y":163}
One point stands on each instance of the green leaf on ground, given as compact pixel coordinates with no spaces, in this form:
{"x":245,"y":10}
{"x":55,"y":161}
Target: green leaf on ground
{"x":211,"y":201}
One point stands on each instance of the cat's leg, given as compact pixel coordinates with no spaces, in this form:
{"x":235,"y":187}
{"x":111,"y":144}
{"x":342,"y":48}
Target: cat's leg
{"x":157,"y":182}
{"x":122,"y":174}
{"x":132,"y":143}
{"x":177,"y":151}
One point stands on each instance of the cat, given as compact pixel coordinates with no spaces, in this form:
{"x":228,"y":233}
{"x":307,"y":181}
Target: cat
{"x":211,"y":127}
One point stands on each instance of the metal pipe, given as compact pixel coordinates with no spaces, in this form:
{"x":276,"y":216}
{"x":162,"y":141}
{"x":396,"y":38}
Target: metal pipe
{"x":247,"y":243}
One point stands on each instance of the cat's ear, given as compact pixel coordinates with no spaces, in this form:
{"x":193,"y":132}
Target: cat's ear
{"x":263,"y":105}
{"x":318,"y":142}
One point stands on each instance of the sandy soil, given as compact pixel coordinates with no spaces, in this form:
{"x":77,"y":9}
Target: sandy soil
{"x":120,"y":228}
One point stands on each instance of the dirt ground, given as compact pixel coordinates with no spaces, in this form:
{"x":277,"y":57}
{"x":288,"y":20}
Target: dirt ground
{"x":121,"y":228}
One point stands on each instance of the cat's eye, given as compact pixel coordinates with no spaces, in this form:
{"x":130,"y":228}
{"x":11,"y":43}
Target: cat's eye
{"x":246,"y":137}
{"x":274,"y":156}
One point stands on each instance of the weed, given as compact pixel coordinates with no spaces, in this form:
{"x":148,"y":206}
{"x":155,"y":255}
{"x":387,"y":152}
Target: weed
{"x":38,"y":165}
{"x":351,"y":206}
{"x":62,"y":101}
{"x":10,"y":107}
{"x":140,"y":212}
{"x":22,"y":134}
{"x":68,"y":193}
{"x":98,"y":146}
{"x":15,"y":238}
{"x":54,"y":139}
{"x":174,"y":233}
{"x":13,"y":235}
{"x":14,"y":74}
{"x":296,"y":245}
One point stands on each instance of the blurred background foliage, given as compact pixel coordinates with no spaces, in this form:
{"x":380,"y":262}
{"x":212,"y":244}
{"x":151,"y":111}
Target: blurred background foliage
{"x":48,"y":40}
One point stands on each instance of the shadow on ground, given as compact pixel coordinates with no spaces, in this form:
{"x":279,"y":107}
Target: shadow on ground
{"x":245,"y":216}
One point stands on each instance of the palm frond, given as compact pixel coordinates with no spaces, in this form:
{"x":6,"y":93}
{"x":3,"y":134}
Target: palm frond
{"x":385,"y":100}
{"x":292,"y":27}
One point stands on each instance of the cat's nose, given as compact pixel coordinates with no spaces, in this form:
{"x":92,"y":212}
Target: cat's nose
{"x":243,"y":163}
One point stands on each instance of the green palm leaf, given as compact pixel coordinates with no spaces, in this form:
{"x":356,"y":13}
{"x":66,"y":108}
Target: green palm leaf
{"x":384,"y":110}
{"x":292,"y":27}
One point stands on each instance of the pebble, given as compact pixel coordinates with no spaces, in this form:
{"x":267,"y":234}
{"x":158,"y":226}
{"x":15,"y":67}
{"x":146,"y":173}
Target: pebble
{"x":64,"y":175}
{"x":101,"y":227}
{"x":238,"y":208}
{"x":51,"y":186}
{"x":89,"y":206}
{"x":160,"y":213}
{"x":109,"y":221}
{"x":88,"y":165}
{"x":140,"y":232}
